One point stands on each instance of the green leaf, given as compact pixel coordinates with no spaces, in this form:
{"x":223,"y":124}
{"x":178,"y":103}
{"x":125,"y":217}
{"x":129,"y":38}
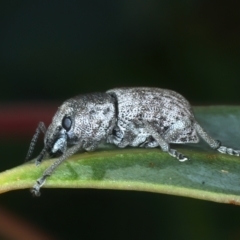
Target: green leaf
{"x":208,"y":174}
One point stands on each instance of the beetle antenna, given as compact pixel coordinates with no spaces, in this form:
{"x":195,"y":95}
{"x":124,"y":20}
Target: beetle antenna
{"x":47,"y":147}
{"x":41,"y":128}
{"x":41,"y":156}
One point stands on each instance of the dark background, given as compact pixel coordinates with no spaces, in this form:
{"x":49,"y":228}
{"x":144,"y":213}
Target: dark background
{"x":53,"y":50}
{"x":56,"y":49}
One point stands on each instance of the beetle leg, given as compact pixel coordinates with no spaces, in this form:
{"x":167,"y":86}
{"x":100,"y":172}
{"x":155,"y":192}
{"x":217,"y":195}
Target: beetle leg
{"x":215,"y":144}
{"x":36,"y":188}
{"x":204,"y":135}
{"x":163,"y":143}
{"x":230,"y":151}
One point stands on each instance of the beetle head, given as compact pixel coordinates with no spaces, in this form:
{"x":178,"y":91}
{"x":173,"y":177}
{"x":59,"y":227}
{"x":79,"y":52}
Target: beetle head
{"x":60,"y":131}
{"x":85,"y":120}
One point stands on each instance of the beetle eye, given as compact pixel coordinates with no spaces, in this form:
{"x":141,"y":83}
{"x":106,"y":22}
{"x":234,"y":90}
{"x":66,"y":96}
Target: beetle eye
{"x":67,"y":123}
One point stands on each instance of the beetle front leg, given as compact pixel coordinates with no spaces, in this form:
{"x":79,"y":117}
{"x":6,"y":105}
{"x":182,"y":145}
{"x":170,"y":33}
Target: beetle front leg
{"x":36,"y":188}
{"x":163,"y":143}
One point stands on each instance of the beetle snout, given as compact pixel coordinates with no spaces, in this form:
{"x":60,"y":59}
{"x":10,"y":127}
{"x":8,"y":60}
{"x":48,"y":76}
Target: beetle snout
{"x":60,"y":144}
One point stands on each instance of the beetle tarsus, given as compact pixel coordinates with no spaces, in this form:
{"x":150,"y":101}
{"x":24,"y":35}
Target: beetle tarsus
{"x":178,"y":155}
{"x":229,"y":151}
{"x":36,"y":188}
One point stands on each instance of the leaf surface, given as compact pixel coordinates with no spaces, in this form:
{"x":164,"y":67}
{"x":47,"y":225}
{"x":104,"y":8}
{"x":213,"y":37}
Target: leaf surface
{"x":208,"y":174}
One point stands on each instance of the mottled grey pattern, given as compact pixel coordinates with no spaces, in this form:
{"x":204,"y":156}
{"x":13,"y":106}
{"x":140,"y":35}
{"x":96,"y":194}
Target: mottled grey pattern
{"x":138,"y":117}
{"x":165,"y":109}
{"x":93,"y":119}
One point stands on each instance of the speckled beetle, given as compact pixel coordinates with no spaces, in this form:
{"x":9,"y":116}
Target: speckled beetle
{"x":138,"y":117}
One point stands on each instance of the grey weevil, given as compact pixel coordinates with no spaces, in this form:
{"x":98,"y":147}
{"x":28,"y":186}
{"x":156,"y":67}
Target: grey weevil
{"x":138,"y":117}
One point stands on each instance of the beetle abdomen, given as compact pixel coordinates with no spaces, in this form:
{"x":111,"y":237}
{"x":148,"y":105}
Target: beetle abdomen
{"x":161,"y":107}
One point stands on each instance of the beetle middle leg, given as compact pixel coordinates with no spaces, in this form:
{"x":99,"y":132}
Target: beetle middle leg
{"x":151,"y":129}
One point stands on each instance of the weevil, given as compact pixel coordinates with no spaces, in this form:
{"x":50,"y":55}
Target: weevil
{"x":138,"y":117}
